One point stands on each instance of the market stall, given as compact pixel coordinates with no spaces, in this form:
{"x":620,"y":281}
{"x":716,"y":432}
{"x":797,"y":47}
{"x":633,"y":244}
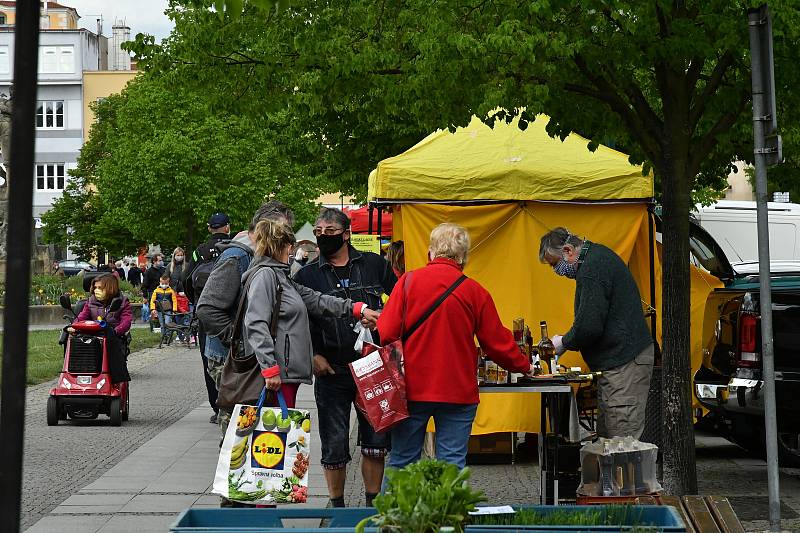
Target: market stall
{"x":508,"y":187}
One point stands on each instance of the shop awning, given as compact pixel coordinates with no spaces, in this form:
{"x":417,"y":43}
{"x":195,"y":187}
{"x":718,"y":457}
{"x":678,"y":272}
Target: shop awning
{"x":478,"y":163}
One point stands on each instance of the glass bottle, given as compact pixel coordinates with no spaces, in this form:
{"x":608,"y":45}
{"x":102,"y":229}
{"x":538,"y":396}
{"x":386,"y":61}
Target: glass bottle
{"x":536,"y":362}
{"x":547,"y":349}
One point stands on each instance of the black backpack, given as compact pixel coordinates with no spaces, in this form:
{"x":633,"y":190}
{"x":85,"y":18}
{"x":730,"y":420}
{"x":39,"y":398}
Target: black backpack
{"x":208,"y":257}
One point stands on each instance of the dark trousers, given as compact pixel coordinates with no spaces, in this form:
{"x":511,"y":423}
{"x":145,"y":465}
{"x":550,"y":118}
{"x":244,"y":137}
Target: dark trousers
{"x":211,"y":387}
{"x":117,"y":358}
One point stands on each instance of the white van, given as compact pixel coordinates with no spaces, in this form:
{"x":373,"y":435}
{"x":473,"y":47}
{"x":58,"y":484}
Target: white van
{"x":733,"y":226}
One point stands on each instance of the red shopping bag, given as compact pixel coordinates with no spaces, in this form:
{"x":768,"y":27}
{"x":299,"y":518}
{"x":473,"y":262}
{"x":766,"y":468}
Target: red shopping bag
{"x":381,"y":386}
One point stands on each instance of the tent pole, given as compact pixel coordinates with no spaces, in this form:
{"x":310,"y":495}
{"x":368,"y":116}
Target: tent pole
{"x":370,"y":218}
{"x":380,"y":221}
{"x":652,"y":247}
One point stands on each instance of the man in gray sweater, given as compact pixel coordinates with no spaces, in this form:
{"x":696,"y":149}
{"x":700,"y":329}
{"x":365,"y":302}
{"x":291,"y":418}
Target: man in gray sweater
{"x":609,"y":329}
{"x":216,"y":308}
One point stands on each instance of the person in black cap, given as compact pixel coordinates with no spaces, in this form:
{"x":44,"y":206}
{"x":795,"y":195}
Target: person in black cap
{"x":202,"y":261}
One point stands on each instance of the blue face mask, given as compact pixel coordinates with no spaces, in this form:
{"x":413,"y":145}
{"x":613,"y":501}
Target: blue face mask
{"x":566,"y":269}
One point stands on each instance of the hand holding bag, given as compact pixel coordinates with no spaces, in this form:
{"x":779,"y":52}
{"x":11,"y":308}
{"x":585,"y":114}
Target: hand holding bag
{"x":379,"y":375}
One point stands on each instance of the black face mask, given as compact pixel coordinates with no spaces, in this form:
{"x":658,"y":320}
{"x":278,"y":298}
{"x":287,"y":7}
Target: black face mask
{"x":329,"y":244}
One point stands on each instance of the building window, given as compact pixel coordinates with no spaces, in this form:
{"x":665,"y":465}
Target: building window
{"x":3,"y":19}
{"x":4,"y":62}
{"x":56,"y":59}
{"x":50,"y":115}
{"x":50,"y":177}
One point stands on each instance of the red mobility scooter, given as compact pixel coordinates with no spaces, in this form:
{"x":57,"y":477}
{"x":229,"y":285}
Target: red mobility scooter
{"x":84,"y":389}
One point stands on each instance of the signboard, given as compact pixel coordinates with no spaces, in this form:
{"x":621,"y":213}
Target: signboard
{"x":366,"y":243}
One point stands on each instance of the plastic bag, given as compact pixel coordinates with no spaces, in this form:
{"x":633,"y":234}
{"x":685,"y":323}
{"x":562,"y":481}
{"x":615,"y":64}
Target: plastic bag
{"x":364,"y":337}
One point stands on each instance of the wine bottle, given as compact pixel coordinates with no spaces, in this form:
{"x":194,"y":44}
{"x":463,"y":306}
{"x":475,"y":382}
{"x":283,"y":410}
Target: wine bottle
{"x":547,"y":349}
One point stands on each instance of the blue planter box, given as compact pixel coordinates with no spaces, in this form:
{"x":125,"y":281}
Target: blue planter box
{"x":663,"y":519}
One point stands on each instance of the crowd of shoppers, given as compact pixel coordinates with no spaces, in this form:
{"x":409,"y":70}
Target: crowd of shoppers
{"x":302,"y":303}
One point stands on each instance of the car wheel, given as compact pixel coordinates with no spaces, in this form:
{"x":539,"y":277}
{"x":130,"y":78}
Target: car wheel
{"x":52,"y":411}
{"x":115,"y":412}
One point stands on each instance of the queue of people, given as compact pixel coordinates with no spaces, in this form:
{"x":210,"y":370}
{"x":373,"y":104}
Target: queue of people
{"x":301,"y":304}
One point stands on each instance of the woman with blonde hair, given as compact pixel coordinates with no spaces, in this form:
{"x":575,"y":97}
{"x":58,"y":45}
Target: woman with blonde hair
{"x":439,"y":351}
{"x":283,"y":347}
{"x":176,"y":268}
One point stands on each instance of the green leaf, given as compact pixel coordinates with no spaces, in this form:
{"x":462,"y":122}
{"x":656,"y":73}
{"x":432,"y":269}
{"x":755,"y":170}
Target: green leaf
{"x":234,"y":8}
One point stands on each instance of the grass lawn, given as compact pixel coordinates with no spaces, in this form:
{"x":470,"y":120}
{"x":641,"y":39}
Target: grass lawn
{"x":46,"y":356}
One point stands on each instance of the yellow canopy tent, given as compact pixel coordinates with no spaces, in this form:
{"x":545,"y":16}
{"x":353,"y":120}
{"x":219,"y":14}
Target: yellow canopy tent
{"x":508,"y":187}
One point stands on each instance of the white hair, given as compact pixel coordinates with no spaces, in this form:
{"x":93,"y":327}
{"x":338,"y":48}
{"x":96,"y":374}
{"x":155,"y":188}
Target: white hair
{"x":450,"y":241}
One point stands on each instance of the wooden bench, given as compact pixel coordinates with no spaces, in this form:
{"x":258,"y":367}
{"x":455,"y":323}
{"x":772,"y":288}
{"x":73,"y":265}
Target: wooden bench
{"x":702,"y":514}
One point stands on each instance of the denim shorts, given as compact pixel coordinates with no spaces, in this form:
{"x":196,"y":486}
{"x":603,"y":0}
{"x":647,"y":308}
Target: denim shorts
{"x":335,"y":395}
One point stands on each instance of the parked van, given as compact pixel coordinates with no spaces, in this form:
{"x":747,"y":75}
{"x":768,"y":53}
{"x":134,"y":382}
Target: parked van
{"x":733,"y":226}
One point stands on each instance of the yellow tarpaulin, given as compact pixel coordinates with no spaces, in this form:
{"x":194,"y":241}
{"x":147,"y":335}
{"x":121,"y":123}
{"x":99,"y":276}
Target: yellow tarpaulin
{"x":506,"y":163}
{"x":541,"y":180}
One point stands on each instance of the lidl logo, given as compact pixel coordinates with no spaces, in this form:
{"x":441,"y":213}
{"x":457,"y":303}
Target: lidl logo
{"x":268,"y":450}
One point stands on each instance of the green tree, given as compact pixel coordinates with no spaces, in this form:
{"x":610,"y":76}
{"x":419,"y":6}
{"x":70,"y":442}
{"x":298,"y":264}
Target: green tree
{"x":667,"y":80}
{"x":160,"y":160}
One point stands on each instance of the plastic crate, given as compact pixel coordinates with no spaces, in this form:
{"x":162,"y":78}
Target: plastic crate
{"x":663,"y":519}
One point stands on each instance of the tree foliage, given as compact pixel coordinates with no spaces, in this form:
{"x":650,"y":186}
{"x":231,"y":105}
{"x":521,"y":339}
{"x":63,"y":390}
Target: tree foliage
{"x":160,"y":160}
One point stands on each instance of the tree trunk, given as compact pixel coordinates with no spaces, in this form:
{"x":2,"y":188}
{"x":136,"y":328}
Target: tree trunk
{"x":680,"y":473}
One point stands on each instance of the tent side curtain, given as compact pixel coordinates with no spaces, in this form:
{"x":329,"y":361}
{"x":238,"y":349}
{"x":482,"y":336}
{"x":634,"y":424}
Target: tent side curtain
{"x":504,"y":259}
{"x":478,"y":163}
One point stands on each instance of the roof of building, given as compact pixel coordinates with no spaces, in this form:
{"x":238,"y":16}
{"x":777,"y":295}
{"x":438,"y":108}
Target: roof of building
{"x":50,"y":5}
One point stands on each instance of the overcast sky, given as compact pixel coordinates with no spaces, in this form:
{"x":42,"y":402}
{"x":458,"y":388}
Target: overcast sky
{"x":142,"y":16}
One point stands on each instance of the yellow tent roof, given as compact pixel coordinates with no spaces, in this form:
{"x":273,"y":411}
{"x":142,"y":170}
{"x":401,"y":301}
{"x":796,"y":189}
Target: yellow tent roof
{"x":505,"y":163}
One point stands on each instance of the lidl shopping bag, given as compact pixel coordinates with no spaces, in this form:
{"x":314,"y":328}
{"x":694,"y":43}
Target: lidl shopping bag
{"x":381,"y":386}
{"x":265,"y":455}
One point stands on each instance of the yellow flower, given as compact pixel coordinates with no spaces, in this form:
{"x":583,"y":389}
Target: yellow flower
{"x":41,"y":291}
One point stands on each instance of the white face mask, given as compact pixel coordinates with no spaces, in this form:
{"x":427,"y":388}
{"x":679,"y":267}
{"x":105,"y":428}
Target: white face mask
{"x":179,"y":259}
{"x":164,"y":285}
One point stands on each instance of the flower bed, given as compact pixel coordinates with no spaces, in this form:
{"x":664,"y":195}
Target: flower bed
{"x":46,"y":290}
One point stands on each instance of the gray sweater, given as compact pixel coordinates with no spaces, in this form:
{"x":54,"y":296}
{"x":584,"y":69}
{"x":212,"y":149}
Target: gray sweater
{"x":294,"y":352}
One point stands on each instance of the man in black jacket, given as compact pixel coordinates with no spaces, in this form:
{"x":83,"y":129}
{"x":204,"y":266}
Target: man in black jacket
{"x":343,"y":271}
{"x":219,"y":225}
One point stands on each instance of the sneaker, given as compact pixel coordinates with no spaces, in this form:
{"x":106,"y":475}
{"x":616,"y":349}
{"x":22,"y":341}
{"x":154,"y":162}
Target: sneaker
{"x":213,"y":418}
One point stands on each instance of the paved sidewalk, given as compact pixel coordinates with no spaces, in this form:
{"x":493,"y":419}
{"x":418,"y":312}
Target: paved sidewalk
{"x":173,"y":471}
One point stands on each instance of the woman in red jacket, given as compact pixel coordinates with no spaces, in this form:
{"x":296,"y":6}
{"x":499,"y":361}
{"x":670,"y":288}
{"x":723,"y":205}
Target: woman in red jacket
{"x":440,"y":354}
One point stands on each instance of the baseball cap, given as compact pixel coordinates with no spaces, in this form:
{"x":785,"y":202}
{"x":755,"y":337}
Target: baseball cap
{"x":217,"y":220}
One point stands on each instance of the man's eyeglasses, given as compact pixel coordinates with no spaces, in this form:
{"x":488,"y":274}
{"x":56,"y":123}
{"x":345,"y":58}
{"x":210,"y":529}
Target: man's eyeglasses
{"x":328,"y":231}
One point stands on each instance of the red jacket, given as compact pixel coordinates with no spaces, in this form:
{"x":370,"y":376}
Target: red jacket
{"x":440,"y":357}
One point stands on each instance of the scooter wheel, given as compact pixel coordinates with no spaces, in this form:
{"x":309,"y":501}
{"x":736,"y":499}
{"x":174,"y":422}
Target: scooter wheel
{"x":127,"y":405}
{"x":52,"y":411}
{"x":115,"y":412}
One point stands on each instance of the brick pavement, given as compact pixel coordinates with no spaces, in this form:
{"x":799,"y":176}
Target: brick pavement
{"x":60,"y":460}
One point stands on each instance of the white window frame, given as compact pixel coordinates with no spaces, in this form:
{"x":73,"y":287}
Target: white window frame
{"x":5,"y":60}
{"x":57,"y":59}
{"x":49,"y":109}
{"x":50,"y":176}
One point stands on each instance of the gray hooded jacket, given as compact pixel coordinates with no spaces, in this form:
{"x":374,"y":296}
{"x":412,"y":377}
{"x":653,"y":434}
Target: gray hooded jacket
{"x":292,"y":351}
